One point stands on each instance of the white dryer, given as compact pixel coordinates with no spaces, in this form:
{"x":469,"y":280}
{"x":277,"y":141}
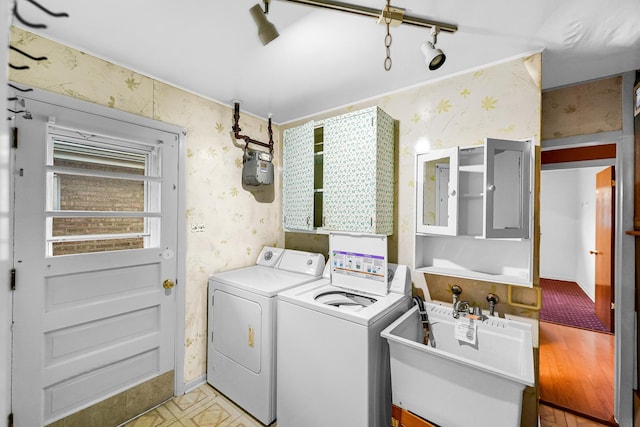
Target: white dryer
{"x":333,"y":366}
{"x":242,"y":320}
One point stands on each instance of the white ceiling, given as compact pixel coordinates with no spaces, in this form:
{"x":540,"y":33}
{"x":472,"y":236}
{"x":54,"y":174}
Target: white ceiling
{"x":325,"y":59}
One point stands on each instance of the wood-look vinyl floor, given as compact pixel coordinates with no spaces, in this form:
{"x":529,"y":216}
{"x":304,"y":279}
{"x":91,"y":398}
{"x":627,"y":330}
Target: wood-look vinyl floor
{"x":552,"y":417}
{"x":576,"y":371}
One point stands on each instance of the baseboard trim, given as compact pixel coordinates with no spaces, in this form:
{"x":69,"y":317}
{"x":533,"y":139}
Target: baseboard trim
{"x":194,"y":384}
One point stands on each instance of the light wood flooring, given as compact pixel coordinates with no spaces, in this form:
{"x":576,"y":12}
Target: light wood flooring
{"x":576,"y":371}
{"x":552,"y":417}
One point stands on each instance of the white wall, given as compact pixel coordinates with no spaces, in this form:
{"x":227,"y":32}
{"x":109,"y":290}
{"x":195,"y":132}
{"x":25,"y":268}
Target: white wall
{"x":5,"y":244}
{"x":558,"y":225}
{"x":567,"y":224}
{"x":585,"y":262}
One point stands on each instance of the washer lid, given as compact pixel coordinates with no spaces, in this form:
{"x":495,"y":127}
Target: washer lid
{"x":262,"y":280}
{"x":344,"y":300}
{"x":359,"y":262}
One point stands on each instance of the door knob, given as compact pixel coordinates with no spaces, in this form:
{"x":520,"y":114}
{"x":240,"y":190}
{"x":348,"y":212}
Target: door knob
{"x":168,"y":284}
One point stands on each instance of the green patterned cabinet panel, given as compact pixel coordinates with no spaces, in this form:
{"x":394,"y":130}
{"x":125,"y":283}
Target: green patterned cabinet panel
{"x":359,"y":172}
{"x":297,"y":177}
{"x":338,"y":175}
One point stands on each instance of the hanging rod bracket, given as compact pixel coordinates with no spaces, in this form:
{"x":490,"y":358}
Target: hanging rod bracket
{"x":392,"y":15}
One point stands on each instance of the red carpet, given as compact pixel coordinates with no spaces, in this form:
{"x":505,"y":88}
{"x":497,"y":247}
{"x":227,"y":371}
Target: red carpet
{"x":565,"y":303}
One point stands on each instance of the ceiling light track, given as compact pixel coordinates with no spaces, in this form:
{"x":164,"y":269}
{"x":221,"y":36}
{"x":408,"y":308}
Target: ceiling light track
{"x":376,"y":13}
{"x":389,"y":16}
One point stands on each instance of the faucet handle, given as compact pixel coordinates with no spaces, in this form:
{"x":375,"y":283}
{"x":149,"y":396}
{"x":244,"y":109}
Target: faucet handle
{"x":493,"y":300}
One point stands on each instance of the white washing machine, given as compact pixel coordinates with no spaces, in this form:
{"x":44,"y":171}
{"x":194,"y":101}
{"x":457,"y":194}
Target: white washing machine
{"x":333,"y":366}
{"x":242,"y":325}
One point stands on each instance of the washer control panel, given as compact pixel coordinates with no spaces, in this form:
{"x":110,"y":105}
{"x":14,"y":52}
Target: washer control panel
{"x":269,"y":256}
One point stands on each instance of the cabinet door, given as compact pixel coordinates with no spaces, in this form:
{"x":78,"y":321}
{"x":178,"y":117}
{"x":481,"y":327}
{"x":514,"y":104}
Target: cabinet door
{"x":507,"y":189}
{"x":297,"y":178}
{"x":350,"y":162}
{"x":437,"y":192}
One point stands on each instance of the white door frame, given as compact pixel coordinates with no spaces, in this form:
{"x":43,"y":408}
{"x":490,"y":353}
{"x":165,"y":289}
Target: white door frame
{"x":6,"y":244}
{"x":87,"y":107}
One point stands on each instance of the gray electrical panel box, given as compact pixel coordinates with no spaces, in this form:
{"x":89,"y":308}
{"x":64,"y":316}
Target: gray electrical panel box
{"x":257,"y":168}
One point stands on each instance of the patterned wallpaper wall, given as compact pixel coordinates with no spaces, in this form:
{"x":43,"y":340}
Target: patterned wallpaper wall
{"x":501,"y":101}
{"x":582,"y":109}
{"x":238,"y":222}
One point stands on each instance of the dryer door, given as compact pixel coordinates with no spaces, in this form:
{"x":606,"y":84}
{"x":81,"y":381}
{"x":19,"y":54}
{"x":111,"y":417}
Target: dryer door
{"x":237,"y":329}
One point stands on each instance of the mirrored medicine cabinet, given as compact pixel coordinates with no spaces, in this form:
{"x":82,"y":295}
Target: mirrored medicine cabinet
{"x":474,"y":211}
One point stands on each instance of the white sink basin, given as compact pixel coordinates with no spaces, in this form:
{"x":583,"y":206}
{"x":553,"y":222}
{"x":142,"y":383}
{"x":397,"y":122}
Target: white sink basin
{"x":454,"y":383}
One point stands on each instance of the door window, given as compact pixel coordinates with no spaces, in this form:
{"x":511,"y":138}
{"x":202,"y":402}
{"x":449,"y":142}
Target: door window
{"x":102,"y":194}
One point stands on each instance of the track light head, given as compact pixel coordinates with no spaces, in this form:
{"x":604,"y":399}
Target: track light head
{"x":434,"y":57}
{"x":267,"y":32}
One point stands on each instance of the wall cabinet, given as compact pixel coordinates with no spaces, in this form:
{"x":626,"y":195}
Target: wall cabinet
{"x":474,"y":211}
{"x":338,"y":174}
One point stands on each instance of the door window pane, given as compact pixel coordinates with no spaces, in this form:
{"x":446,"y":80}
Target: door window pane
{"x":101,"y":196}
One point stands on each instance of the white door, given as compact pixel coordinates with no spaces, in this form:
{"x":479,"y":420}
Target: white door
{"x":95,"y":238}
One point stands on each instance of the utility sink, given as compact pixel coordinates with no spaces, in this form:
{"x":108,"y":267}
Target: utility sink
{"x":453,"y":382}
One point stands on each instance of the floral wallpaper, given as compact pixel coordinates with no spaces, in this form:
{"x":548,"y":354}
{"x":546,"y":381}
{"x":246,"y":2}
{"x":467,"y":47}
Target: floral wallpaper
{"x":582,"y":109}
{"x":237,"y":221}
{"x":501,"y":101}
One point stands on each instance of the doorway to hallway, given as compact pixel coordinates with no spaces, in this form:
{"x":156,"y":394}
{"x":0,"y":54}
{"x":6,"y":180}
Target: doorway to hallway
{"x":576,"y":365}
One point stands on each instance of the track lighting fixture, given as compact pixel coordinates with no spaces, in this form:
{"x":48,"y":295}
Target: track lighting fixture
{"x":434,"y":58}
{"x":267,"y":32}
{"x":388,"y":16}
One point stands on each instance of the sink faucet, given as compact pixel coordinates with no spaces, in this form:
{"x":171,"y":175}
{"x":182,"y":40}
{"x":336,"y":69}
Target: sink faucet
{"x":456,"y":291}
{"x":460,"y":307}
{"x":493,"y":300}
{"x":426,"y":329}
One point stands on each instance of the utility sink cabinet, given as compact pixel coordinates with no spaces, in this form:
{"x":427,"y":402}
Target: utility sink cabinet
{"x":338,"y":174}
{"x":402,"y":418}
{"x":474,"y":211}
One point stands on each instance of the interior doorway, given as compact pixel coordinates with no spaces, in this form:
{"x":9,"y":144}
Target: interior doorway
{"x":576,"y":363}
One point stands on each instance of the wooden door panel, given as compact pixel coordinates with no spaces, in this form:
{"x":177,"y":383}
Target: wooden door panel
{"x":604,"y":296}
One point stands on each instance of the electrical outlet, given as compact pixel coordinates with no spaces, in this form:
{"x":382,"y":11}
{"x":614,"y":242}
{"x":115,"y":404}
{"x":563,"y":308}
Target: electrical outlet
{"x":197,"y":228}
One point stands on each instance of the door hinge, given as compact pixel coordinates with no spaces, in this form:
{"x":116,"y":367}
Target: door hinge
{"x":613,"y":182}
{"x":14,"y":137}
{"x":10,"y":421}
{"x":613,"y":306}
{"x":13,"y":279}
